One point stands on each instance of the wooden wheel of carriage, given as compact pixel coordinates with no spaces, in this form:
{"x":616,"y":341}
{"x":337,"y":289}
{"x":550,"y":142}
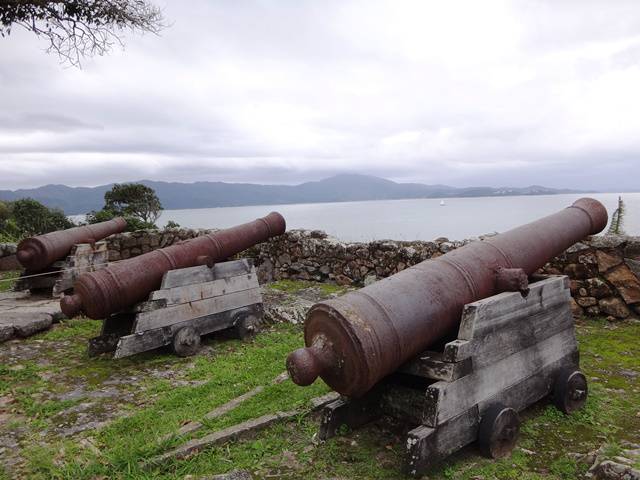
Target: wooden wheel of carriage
{"x":186,"y":342}
{"x":570,"y":390}
{"x":498,"y":432}
{"x":245,"y":324}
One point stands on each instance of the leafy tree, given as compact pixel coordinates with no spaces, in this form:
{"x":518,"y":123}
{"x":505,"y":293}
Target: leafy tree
{"x":5,"y":214}
{"x":78,"y":28}
{"x":133,"y":200}
{"x":137,"y":203}
{"x":172,"y":224}
{"x":8,"y":228}
{"x":133,"y":223}
{"x":33,"y":218}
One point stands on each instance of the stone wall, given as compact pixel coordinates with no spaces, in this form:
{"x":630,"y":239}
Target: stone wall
{"x":131,"y":244}
{"x":7,"y":249}
{"x":604,"y":271}
{"x":8,"y":260}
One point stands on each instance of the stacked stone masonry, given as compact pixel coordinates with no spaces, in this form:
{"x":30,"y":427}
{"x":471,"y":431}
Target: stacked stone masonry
{"x":604,"y":271}
{"x":7,"y":249}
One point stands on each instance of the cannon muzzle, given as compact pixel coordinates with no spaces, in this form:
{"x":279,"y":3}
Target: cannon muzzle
{"x":125,"y":283}
{"x":37,"y":253}
{"x":354,"y":341}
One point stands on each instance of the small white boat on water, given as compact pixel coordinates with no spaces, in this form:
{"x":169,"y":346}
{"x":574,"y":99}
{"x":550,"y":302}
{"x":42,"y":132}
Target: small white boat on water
{"x":442,"y":204}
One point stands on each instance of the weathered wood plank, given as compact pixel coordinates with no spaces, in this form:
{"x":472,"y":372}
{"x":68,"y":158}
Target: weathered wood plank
{"x":433,"y":366}
{"x":504,"y":340}
{"x":427,"y":446}
{"x":215,"y":413}
{"x":154,"y":338}
{"x":460,"y":395}
{"x":232,"y":268}
{"x":201,"y":273}
{"x":458,"y":350}
{"x":235,"y":432}
{"x":215,"y":288}
{"x":141,"y":342}
{"x":179,"y":313}
{"x":504,"y":308}
{"x":186,"y":276}
{"x":532,"y":388}
{"x":352,"y":413}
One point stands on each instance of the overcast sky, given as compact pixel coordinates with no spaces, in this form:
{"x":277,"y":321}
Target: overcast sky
{"x":460,"y":93}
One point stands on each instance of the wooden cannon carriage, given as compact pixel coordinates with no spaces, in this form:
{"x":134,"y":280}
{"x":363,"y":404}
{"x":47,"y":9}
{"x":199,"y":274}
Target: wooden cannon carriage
{"x":60,"y":276}
{"x":511,"y":351}
{"x":191,"y":302}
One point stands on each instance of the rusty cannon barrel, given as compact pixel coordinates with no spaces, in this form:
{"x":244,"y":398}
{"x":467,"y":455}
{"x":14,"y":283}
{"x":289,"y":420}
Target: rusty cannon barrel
{"x":37,"y":253}
{"x":354,"y":341}
{"x":123,"y":284}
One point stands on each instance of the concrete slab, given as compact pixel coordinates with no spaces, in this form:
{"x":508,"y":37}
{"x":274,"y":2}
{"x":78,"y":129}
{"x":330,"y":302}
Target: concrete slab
{"x":26,"y":323}
{"x":23,"y":314}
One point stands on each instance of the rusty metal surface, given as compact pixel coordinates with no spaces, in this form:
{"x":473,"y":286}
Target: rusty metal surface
{"x":37,"y":253}
{"x":354,"y":341}
{"x":123,"y":284}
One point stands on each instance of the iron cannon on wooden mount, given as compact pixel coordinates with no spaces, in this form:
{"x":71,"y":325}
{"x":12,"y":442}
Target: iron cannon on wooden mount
{"x":354,"y":341}
{"x":125,"y":283}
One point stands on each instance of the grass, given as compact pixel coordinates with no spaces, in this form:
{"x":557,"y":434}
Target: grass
{"x":156,"y":405}
{"x":5,"y":284}
{"x":296,"y":286}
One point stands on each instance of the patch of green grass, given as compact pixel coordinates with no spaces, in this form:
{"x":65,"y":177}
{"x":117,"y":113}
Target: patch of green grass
{"x":74,"y":329}
{"x":5,"y":283}
{"x":296,"y":286}
{"x":287,"y":449}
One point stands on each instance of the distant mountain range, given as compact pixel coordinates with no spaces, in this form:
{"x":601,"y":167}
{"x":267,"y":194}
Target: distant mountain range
{"x":340,"y":188}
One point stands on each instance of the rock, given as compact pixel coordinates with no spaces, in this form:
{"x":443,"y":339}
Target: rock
{"x":609,"y":470}
{"x":369,"y":280}
{"x":343,"y":280}
{"x":26,"y":323}
{"x":6,"y":332}
{"x":586,"y":301}
{"x":577,"y":247}
{"x":294,"y":314}
{"x":598,"y":288}
{"x":574,"y":285}
{"x":634,"y":265}
{"x":606,"y":261}
{"x":576,"y":310}
{"x":318,"y":234}
{"x":625,"y":282}
{"x":576,"y":271}
{"x":614,"y":307}
{"x":284,"y":259}
{"x":607,"y":241}
{"x":446,"y":247}
{"x":632,"y":249}
{"x":593,"y":311}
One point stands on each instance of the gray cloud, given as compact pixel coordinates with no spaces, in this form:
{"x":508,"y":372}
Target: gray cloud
{"x":464,"y":93}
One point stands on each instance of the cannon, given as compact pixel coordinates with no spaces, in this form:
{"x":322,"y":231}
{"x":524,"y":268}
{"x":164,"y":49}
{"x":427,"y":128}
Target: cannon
{"x":37,"y":253}
{"x":454,"y":347}
{"x":354,"y":341}
{"x":123,"y":284}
